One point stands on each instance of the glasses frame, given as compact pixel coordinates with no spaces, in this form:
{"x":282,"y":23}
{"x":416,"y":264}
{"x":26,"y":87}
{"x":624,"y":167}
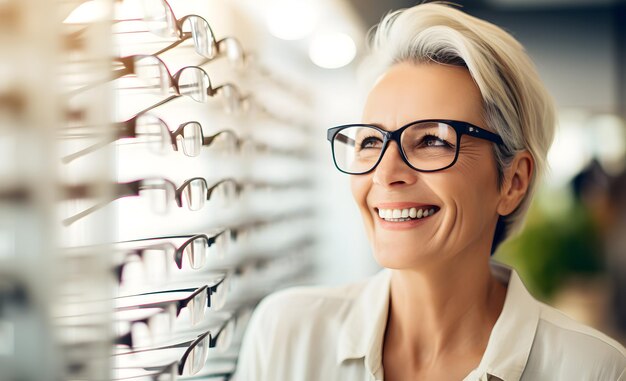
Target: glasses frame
{"x":181,"y":303}
{"x":179,"y":249}
{"x":191,"y":344}
{"x":209,"y":190}
{"x":461,"y":128}
{"x":133,"y":188}
{"x":218,"y":48}
{"x":170,"y":369}
{"x":128,"y":63}
{"x":183,"y":36}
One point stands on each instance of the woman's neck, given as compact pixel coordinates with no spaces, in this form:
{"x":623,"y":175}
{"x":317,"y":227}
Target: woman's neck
{"x":443,"y":312}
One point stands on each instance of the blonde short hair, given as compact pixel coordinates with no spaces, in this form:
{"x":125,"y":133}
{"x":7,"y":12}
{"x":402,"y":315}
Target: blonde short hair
{"x":516,"y":104}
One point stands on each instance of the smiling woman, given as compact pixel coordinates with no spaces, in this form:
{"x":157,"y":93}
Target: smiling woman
{"x":451,"y":145}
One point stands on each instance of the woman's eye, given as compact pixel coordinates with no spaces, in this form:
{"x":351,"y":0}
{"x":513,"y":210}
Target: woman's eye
{"x":371,"y":143}
{"x":434,"y":141}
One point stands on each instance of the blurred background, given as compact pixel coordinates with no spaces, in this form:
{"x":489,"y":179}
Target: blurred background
{"x":113,"y":169}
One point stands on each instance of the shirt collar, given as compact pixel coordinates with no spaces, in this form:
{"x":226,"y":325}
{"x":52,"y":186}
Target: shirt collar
{"x":509,"y":344}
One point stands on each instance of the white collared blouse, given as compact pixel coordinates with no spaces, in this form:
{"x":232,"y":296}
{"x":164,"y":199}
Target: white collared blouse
{"x":336,"y":333}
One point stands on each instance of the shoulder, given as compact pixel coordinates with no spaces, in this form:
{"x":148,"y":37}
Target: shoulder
{"x":296,"y":328}
{"x":304,"y":306}
{"x":302,"y":297}
{"x":572,"y":348}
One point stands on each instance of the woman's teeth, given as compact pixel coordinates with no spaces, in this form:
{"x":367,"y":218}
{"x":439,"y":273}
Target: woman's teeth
{"x":399,"y":215}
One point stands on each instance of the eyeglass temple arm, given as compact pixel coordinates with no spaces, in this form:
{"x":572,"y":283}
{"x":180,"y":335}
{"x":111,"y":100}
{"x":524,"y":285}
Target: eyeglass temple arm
{"x":129,"y":68}
{"x":342,"y":138}
{"x":208,"y":140}
{"x":161,"y":370}
{"x":162,"y":305}
{"x":173,"y":44}
{"x":125,"y":130}
{"x":82,"y":191}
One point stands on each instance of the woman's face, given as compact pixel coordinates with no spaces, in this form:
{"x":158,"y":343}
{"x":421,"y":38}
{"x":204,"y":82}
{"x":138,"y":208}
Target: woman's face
{"x":464,"y":197}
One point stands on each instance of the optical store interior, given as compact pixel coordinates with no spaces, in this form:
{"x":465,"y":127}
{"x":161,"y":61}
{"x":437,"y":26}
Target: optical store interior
{"x":156,"y":154}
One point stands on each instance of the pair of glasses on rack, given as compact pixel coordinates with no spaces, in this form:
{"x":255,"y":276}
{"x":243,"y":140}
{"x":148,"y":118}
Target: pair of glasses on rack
{"x":138,"y":340}
{"x":156,"y":134}
{"x":194,"y":193}
{"x":156,"y":78}
{"x":169,"y":372}
{"x":158,"y":256}
{"x":196,"y":250}
{"x":195,"y":301}
{"x":196,"y":351}
{"x":160,"y":20}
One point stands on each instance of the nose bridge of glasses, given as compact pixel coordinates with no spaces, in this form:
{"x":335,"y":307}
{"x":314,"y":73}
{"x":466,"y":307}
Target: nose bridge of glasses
{"x":392,"y":159}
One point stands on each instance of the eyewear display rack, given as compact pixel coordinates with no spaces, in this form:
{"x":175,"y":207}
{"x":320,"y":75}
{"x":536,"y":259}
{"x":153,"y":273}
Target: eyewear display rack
{"x":37,"y":280}
{"x":155,"y":186}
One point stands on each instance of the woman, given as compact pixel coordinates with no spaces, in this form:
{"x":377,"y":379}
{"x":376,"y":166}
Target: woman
{"x":454,"y":139}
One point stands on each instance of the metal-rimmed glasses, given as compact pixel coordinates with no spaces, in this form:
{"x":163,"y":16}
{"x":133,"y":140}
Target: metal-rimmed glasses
{"x":156,"y":134}
{"x":193,"y":193}
{"x":160,"y":20}
{"x":192,"y":81}
{"x":427,"y":145}
{"x":156,"y":78}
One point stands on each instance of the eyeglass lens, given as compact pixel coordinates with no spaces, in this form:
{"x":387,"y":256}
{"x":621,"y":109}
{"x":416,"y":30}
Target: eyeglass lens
{"x":225,"y":337}
{"x":159,"y":18}
{"x":224,"y":193}
{"x":427,"y":146}
{"x":197,"y":357}
{"x":195,"y":194}
{"x":197,"y":307}
{"x":156,"y":263}
{"x":153,"y":73}
{"x":159,"y":193}
{"x":196,"y":252}
{"x":193,"y":82}
{"x":218,"y":296}
{"x":157,"y":327}
{"x":153,"y":132}
{"x":190,"y":139}
{"x":203,"y":39}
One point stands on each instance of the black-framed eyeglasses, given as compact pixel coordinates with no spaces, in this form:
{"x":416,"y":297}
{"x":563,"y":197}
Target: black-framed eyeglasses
{"x":197,"y":350}
{"x":427,"y":145}
{"x":197,"y":250}
{"x":219,"y":339}
{"x":197,"y":302}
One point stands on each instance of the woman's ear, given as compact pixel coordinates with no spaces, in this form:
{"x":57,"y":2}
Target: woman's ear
{"x":516,"y":181}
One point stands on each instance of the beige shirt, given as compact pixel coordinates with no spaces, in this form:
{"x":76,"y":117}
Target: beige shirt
{"x":336,"y":333}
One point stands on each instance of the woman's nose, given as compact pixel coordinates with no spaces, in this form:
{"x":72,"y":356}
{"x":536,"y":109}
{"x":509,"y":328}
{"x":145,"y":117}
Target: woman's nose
{"x":392,"y":170}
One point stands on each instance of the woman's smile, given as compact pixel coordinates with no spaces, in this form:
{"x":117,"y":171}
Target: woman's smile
{"x":400,"y":216}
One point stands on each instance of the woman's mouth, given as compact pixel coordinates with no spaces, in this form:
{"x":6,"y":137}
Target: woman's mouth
{"x":407,"y":214}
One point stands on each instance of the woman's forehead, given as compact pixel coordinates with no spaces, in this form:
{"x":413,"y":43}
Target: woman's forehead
{"x":408,"y":92}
